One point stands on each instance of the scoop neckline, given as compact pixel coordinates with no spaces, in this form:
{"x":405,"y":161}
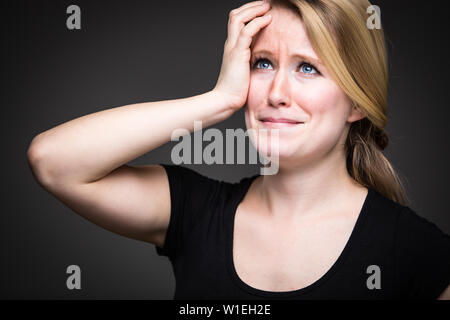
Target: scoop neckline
{"x":245,"y":186}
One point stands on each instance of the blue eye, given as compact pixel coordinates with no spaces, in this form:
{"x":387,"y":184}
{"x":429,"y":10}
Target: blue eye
{"x":305,"y":67}
{"x":258,"y":60}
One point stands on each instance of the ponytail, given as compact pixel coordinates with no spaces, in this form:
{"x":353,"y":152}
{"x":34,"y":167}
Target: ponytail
{"x":367,"y":164}
{"x":356,"y":58}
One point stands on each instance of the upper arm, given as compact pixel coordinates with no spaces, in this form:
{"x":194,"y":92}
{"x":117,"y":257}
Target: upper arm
{"x":130,"y":201}
{"x":423,"y":256}
{"x":445,"y":295}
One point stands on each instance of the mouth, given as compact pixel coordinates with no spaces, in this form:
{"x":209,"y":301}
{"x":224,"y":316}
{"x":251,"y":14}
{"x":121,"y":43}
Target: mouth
{"x":279,"y":122}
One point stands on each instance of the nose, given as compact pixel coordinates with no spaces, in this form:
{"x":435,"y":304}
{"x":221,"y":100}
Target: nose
{"x":279,"y":95}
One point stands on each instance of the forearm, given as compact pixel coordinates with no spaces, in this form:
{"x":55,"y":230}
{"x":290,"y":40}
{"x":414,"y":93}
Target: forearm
{"x":88,"y":148}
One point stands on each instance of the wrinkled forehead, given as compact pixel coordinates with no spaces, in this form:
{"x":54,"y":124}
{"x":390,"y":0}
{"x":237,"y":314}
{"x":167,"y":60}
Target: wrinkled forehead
{"x":285,"y":33}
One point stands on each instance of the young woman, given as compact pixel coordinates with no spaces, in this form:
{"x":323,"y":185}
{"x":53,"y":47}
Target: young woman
{"x":333,"y":223}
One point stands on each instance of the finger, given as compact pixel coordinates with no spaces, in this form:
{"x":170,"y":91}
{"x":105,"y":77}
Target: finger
{"x":247,"y":5}
{"x":233,"y":26}
{"x":238,"y":21}
{"x":250,"y":13}
{"x":250,"y":30}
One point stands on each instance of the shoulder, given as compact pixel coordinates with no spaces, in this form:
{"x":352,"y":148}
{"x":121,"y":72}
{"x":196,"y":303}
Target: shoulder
{"x":413,"y":234}
{"x":405,"y":217}
{"x":421,"y":245}
{"x":199,"y":187}
{"x":383,"y":205}
{"x":187,"y":180}
{"x":181,"y":172}
{"x":421,"y":232}
{"x":422,"y":255}
{"x":410,"y":226}
{"x":188,"y":176}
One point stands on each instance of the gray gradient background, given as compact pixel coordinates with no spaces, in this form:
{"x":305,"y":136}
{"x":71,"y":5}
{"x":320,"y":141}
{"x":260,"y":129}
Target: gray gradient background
{"x":137,"y":51}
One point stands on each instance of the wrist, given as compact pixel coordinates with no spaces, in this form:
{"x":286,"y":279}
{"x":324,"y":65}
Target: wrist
{"x":227,"y":103}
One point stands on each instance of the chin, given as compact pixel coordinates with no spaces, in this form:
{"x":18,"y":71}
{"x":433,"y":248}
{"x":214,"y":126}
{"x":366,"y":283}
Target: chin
{"x":283,"y":150}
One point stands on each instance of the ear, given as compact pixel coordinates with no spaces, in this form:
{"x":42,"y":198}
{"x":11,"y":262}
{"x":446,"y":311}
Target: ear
{"x":355,"y":113}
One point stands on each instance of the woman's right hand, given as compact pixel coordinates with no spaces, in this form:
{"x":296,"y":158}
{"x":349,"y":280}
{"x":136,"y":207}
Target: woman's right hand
{"x":234,"y":77}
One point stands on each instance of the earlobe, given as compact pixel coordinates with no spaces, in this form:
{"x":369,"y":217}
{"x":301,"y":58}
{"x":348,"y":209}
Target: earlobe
{"x":356,"y":114}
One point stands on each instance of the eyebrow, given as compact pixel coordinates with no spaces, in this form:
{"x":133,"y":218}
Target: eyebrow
{"x":297,"y":55}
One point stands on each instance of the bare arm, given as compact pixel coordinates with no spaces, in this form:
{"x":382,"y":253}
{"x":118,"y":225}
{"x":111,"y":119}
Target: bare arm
{"x":88,"y":148}
{"x":83,"y":162}
{"x":445,"y":295}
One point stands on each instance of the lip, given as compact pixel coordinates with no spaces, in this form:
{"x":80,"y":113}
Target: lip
{"x":279,"y":122}
{"x":280,"y":125}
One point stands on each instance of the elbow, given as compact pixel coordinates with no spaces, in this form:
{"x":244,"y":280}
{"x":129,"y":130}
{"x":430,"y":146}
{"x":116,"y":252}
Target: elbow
{"x":37,"y":158}
{"x":34,"y":154}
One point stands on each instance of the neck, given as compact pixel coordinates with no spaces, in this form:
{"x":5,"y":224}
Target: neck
{"x":306,"y":189}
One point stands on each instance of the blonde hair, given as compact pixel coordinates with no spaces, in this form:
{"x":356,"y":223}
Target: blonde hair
{"x":356,"y":57}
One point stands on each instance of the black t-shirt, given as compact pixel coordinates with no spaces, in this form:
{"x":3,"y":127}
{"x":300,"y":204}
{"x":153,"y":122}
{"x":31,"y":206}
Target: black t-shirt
{"x":392,"y":250}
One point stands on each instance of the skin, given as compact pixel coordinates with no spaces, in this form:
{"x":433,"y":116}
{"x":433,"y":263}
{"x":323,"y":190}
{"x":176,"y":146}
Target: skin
{"x":311,"y":155}
{"x":445,"y":295}
{"x":65,"y":161}
{"x":286,"y":217}
{"x":312,"y":175}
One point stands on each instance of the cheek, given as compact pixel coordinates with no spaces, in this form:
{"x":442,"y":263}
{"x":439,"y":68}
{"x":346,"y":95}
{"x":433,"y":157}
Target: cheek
{"x":321,"y":97}
{"x":328,"y":107}
{"x":256,"y":93}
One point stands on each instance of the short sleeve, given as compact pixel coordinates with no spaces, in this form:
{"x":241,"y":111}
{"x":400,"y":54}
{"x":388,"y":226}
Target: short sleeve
{"x":423,"y":257}
{"x":191,"y":193}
